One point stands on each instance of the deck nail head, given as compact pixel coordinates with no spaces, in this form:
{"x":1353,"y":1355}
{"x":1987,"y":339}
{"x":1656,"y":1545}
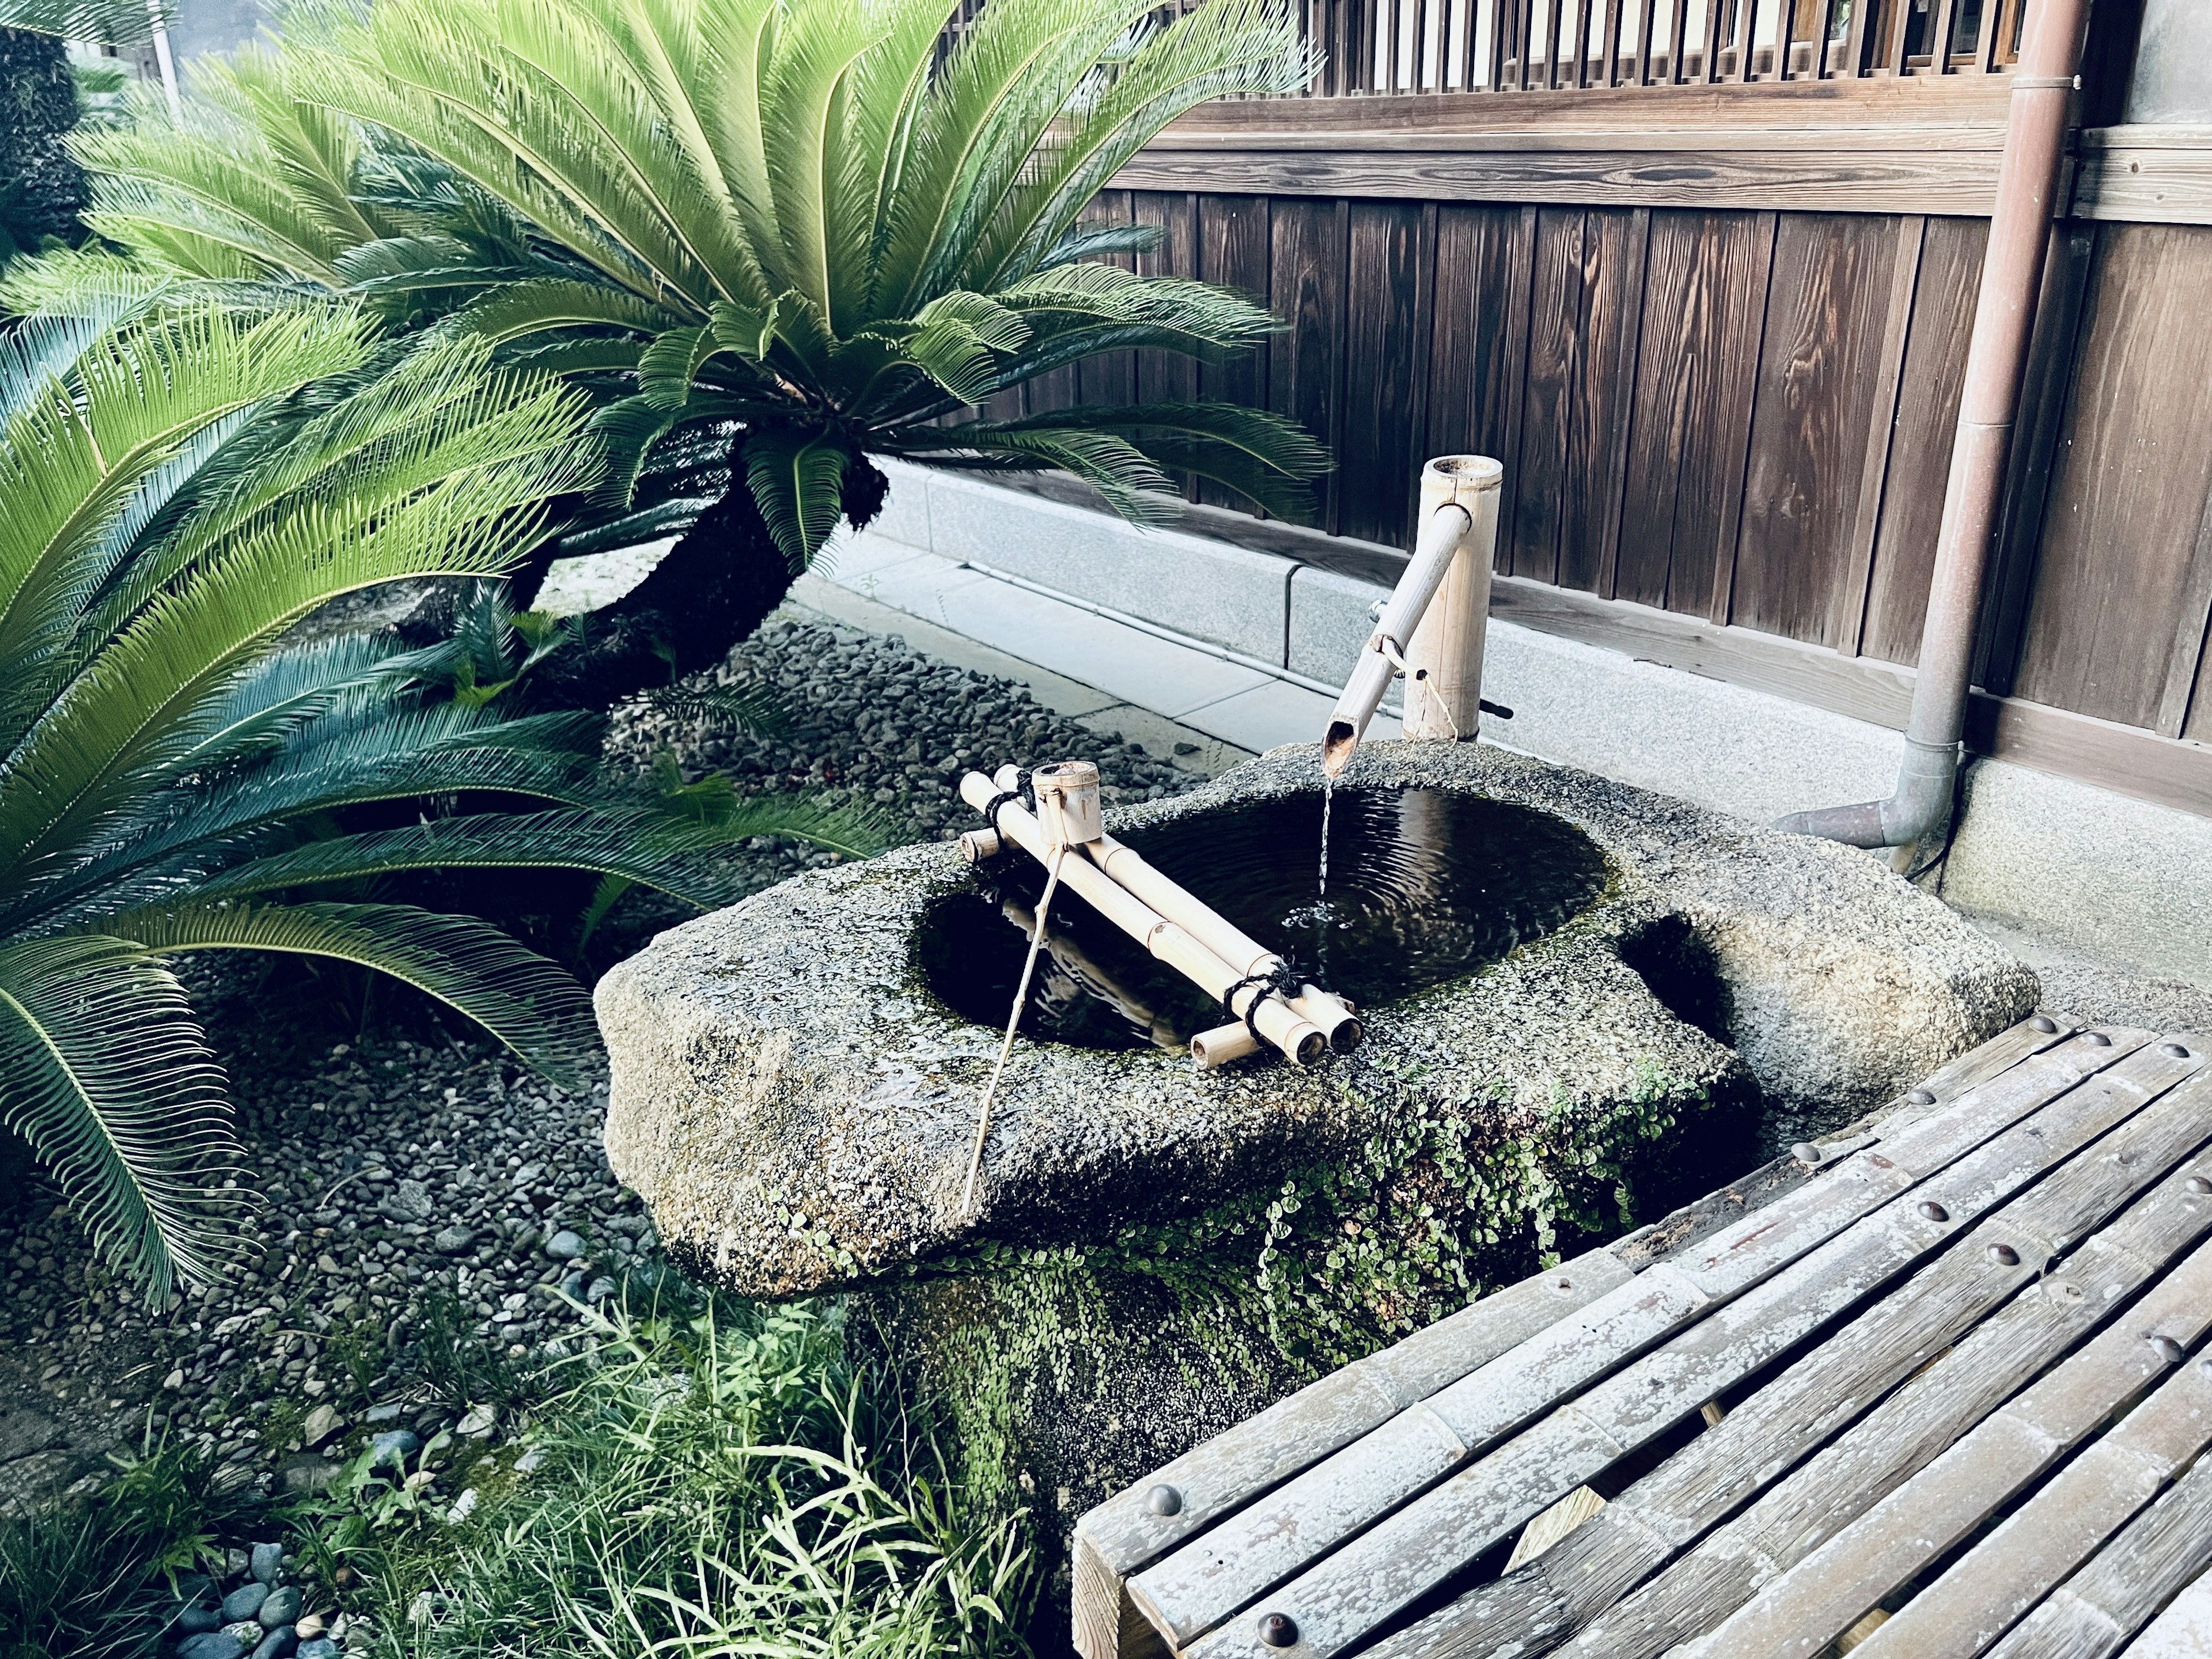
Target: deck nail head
{"x":2004,"y":1255}
{"x":1163,"y":1500}
{"x":1935,"y":1211}
{"x":2166,"y":1349}
{"x":2173,"y":1051}
{"x":2042,"y":1022}
{"x":2198,"y":1184}
{"x":1279,"y":1629}
{"x":1805,"y":1152}
{"x":1920,"y":1098}
{"x":2097,"y":1040}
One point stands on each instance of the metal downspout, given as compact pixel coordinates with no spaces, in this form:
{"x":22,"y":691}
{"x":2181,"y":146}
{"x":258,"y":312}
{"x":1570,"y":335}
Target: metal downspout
{"x":1996,"y":361}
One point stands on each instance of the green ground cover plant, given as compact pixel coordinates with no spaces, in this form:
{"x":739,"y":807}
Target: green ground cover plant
{"x":708,"y":1479}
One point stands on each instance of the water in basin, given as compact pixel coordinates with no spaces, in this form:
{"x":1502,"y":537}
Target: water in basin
{"x":1425,"y":885}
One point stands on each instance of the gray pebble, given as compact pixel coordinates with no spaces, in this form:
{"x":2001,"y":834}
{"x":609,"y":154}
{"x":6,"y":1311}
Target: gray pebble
{"x":194,"y":1620}
{"x":282,"y":1607}
{"x":573,"y":1286}
{"x":244,"y":1602}
{"x":564,"y":1245}
{"x":267,"y":1561}
{"x":453,"y":1240}
{"x":600,"y":1290}
{"x":214,"y":1644}
{"x":390,"y":1447}
{"x":384,"y":1413}
{"x":278,"y":1642}
{"x":321,"y":1647}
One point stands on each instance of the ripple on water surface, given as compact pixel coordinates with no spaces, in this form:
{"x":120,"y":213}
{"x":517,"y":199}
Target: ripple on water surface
{"x":1425,"y":885}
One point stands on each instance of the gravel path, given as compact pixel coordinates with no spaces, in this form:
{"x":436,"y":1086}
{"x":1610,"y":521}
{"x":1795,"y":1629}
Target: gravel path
{"x":406,"y":1192}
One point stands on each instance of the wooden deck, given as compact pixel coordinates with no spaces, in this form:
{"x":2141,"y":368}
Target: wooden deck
{"x":1933,"y":1392}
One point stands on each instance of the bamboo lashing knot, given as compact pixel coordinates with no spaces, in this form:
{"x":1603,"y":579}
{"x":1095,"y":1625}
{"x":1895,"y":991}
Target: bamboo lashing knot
{"x":1285,"y":979}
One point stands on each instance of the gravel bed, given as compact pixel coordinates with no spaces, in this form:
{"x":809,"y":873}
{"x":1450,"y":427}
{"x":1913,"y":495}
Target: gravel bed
{"x":393,"y":1172}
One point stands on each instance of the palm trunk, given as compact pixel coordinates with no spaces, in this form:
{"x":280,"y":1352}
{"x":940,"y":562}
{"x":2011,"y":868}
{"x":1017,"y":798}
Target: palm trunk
{"x":707,"y":595}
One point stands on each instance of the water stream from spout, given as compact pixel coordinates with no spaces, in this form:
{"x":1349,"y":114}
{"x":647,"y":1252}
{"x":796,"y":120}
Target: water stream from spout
{"x":1327,"y":796}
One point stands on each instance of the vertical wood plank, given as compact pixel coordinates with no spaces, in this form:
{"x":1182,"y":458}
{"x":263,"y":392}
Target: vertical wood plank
{"x":1927,"y":421}
{"x":1233,"y":250}
{"x":1856,"y":41}
{"x":2120,"y":533}
{"x":1643,"y":31}
{"x":2045,"y":400}
{"x":1479,"y":344}
{"x":1111,"y":377}
{"x":1746,"y":38}
{"x":1620,"y":396}
{"x":1384,"y":375}
{"x":1709,"y":49}
{"x":1944,"y":24}
{"x":1721,"y":606}
{"x":1697,"y":360}
{"x":1818,"y":368}
{"x":2186,"y":662}
{"x":1613,"y":10}
{"x":1306,"y":291}
{"x":1856,"y":572}
{"x":1678,"y":25}
{"x":1553,"y":29}
{"x":1576,"y":409}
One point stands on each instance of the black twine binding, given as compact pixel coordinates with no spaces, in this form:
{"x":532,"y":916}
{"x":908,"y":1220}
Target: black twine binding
{"x":1006,"y":797}
{"x":1285,"y":977}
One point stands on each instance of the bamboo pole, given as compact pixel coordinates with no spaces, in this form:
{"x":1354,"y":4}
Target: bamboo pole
{"x":1235,"y":947}
{"x":1443,"y":659}
{"x":1302,"y":1042}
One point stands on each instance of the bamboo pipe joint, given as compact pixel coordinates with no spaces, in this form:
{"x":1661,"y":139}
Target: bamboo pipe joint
{"x":1432,"y":625}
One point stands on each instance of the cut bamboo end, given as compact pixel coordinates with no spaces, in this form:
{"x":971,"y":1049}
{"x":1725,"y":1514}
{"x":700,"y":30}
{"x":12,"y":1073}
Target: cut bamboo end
{"x":981,"y":846}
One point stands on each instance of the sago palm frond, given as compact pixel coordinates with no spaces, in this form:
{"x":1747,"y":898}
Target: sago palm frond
{"x":183,"y":487}
{"x":801,"y":229}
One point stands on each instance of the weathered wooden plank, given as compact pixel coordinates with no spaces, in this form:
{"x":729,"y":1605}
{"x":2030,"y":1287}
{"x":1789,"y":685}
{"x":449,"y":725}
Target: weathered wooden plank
{"x":1933,"y":374}
{"x":1305,"y":361}
{"x":1904,"y":1434}
{"x":1343,"y":1599}
{"x":1828,"y":1590}
{"x":1758,"y":1443}
{"x":1477,"y":346}
{"x":1233,"y":251}
{"x":2125,"y":478}
{"x":1588,"y":266}
{"x":2150,"y":175}
{"x":1125,"y":1533}
{"x":2188,"y":659}
{"x":1830,"y":181}
{"x":1385,"y":381}
{"x":1195,"y":1588}
{"x":1985,"y":1593}
{"x":1111,"y":377}
{"x":1620,"y":394}
{"x":2097,"y":1610}
{"x":1855,"y":576}
{"x":1691,"y":420}
{"x":1818,"y":366}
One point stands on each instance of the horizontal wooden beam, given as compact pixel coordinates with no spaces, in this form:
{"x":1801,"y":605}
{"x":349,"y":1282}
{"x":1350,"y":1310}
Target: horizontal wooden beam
{"x":1900,"y":179}
{"x":2149,"y":174}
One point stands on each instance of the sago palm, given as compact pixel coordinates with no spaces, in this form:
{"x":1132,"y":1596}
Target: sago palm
{"x":175,"y":774}
{"x":774,"y":237}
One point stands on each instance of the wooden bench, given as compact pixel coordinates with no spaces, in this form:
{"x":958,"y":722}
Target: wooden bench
{"x":1782,"y":1416}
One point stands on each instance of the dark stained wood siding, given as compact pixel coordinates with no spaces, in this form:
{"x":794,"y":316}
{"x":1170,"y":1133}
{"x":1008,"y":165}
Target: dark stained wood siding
{"x":1742,"y":416}
{"x":2122,"y":557}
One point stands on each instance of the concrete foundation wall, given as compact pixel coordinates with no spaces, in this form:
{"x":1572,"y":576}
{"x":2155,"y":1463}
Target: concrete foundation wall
{"x":2114,"y":876}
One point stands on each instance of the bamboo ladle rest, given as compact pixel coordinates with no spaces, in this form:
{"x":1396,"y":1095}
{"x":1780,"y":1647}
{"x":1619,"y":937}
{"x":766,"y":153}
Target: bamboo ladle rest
{"x":1177,"y":929}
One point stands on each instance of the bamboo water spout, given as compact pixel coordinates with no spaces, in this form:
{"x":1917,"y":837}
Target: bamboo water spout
{"x":1431,"y":627}
{"x":1282,"y":1026}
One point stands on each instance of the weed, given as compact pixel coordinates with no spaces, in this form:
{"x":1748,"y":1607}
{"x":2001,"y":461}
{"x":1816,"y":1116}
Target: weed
{"x":459,"y":1367}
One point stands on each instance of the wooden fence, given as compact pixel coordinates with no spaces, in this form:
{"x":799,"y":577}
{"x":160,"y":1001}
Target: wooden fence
{"x":1716,"y":333}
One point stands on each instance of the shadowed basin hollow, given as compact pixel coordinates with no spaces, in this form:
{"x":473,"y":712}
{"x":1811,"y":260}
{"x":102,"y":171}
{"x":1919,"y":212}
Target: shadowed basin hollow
{"x":1424,"y":886}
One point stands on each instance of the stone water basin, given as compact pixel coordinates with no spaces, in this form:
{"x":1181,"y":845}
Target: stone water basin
{"x":1561,"y":967}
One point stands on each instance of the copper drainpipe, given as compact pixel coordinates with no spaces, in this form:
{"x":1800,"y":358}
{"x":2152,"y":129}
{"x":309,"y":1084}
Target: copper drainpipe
{"x":1997,"y":360}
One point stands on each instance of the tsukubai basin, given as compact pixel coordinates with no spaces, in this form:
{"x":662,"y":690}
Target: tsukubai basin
{"x":795,"y":1079}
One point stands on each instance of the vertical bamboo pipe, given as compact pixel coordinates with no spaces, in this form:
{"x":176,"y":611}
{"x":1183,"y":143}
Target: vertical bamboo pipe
{"x":1443,"y":659}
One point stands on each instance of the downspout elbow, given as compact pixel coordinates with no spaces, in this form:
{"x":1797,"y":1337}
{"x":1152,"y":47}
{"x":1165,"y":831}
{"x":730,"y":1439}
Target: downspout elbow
{"x":1919,"y":811}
